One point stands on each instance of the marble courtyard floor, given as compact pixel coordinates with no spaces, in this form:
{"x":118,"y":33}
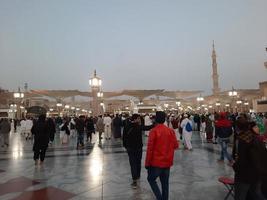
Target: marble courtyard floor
{"x":103,"y":172}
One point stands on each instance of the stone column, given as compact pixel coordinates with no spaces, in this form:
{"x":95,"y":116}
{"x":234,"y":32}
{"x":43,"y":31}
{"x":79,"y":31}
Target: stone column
{"x":95,"y":102}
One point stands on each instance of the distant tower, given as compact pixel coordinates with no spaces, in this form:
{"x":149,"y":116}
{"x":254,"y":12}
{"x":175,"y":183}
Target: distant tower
{"x":215,"y":75}
{"x":26,"y":87}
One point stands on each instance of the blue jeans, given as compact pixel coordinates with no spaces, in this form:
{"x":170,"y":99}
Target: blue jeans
{"x":80,"y":139}
{"x":224,"y":153}
{"x":163,"y":174}
{"x":135,"y":159}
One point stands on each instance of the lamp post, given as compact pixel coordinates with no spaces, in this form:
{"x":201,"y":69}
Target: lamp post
{"x":13,"y":110}
{"x":178,"y":103}
{"x":166,"y":105}
{"x":95,"y":83}
{"x":18,"y":96}
{"x":199,"y":100}
{"x":210,"y":108}
{"x":239,"y":102}
{"x":227,"y":107}
{"x":232,"y":94}
{"x":218,"y":104}
{"x":67,"y":110}
{"x":246,"y":104}
{"x":100,"y":96}
{"x":59,"y":105}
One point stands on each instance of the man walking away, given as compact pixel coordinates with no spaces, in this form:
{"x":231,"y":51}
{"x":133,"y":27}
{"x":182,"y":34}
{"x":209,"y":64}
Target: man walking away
{"x":90,"y":128}
{"x":41,"y":139}
{"x":100,"y":127}
{"x":224,"y":131}
{"x":80,"y":124}
{"x":159,"y":156}
{"x":132,"y":141}
{"x":117,"y":124}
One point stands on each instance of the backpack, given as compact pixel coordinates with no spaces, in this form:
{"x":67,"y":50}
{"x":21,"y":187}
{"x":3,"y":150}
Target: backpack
{"x":188,"y":127}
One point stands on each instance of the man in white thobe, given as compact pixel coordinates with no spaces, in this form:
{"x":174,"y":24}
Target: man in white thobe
{"x":107,"y":123}
{"x":187,"y":134}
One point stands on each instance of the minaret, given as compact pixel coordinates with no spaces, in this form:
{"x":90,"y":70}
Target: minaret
{"x":215,"y":76}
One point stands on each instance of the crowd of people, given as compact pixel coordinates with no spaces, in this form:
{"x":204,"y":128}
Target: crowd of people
{"x":246,"y":132}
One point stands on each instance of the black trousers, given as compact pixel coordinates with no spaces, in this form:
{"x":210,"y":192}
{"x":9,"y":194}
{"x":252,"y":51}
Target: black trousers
{"x":198,"y":126}
{"x":52,"y":137}
{"x":89,"y":135}
{"x":135,"y":158}
{"x":39,"y":153}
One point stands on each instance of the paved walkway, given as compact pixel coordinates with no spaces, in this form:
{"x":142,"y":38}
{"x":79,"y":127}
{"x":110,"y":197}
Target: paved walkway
{"x":103,"y":172}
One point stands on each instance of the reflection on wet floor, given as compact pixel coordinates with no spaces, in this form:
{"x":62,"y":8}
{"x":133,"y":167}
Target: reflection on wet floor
{"x":102,"y":171}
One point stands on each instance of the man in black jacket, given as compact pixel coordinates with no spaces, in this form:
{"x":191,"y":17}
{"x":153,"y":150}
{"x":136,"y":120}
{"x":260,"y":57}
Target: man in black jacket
{"x":132,"y":141}
{"x":80,"y":125}
{"x":41,"y":139}
{"x":90,"y":128}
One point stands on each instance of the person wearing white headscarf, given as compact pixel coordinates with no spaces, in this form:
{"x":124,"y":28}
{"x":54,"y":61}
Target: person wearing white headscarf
{"x":187,"y":131}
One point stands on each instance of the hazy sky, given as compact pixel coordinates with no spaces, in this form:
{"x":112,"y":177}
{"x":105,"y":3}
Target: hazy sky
{"x":133,"y":44}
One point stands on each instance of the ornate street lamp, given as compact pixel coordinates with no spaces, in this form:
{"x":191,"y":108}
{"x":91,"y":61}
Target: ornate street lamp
{"x":199,"y":100}
{"x":18,"y":97}
{"x":13,"y":110}
{"x":218,"y":104}
{"x":19,"y":94}
{"x":95,"y":83}
{"x":232,"y":94}
{"x":59,"y":106}
{"x":166,"y":105}
{"x":239,"y":105}
{"x":239,"y":102}
{"x":178,"y":103}
{"x":100,"y":94}
{"x":246,"y":104}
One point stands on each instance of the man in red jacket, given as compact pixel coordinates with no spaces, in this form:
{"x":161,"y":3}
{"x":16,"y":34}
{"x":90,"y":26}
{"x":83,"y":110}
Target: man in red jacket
{"x":159,"y":156}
